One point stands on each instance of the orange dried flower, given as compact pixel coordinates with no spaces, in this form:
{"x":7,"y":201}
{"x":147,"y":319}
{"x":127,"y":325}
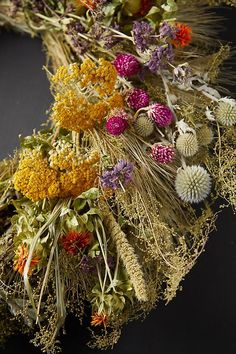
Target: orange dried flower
{"x":99,"y":319}
{"x":21,"y":259}
{"x":183,"y":35}
{"x":90,"y":4}
{"x":73,"y":241}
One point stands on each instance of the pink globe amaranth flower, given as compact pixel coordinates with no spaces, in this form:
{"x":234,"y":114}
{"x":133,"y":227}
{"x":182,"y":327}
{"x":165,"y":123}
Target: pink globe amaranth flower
{"x":137,"y":98}
{"x":161,"y":115}
{"x":127,"y":65}
{"x":162,"y":153}
{"x":116,"y":125}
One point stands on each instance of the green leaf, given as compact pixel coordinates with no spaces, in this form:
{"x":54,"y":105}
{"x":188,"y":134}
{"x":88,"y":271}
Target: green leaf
{"x":79,"y":204}
{"x":90,"y":226}
{"x":92,"y":194}
{"x":72,"y":222}
{"x":94,"y":211}
{"x":40,"y":218}
{"x":154,"y":15}
{"x":170,"y":6}
{"x":64,"y":211}
{"x":83,"y":218}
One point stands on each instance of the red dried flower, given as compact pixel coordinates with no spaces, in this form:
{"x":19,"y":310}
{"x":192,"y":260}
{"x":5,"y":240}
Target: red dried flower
{"x":99,"y":319}
{"x":183,"y":35}
{"x":73,"y":241}
{"x":145,"y":7}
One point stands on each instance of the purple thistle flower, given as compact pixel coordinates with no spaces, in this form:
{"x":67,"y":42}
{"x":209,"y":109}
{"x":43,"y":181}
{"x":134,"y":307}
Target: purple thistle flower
{"x":105,"y":37}
{"x":166,"y":30}
{"x":89,"y":264}
{"x":159,"y":57}
{"x":154,"y":64}
{"x":142,"y":34}
{"x":122,"y":172}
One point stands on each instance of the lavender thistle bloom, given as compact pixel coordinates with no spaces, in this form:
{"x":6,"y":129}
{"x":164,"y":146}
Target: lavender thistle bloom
{"x":142,"y":34}
{"x":105,"y":37}
{"x":166,"y":31}
{"x":122,"y":172}
{"x":89,"y":264}
{"x":160,"y":57}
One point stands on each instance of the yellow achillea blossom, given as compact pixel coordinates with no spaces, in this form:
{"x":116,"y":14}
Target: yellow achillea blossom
{"x":60,"y":175}
{"x":34,"y":177}
{"x":101,"y":78}
{"x":87,"y":73}
{"x":85,"y":94}
{"x":106,"y":76}
{"x":66,"y":75}
{"x":116,"y":101}
{"x":74,"y":112}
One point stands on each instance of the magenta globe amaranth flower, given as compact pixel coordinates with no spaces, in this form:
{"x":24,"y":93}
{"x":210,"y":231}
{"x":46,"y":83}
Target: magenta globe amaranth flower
{"x":117,"y":124}
{"x":163,"y":153}
{"x":137,"y":98}
{"x":161,"y":115}
{"x":127,"y":65}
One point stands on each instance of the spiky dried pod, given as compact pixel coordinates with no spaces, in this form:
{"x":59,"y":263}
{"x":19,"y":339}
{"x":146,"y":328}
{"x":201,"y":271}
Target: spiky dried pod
{"x":193,"y":184}
{"x":144,"y":126}
{"x":187,"y":144}
{"x":226,"y":112}
{"x":128,"y":256}
{"x":204,"y":135}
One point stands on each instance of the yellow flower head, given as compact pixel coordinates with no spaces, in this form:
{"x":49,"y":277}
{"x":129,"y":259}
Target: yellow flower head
{"x":85,"y":95}
{"x":34,"y":177}
{"x":62,"y":174}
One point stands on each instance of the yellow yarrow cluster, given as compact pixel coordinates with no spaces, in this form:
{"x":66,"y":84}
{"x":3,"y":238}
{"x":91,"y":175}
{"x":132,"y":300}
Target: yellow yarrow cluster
{"x":34,"y":177}
{"x":85,"y":95}
{"x":100,"y":77}
{"x":66,"y":75}
{"x":74,"y":112}
{"x":62,"y":174}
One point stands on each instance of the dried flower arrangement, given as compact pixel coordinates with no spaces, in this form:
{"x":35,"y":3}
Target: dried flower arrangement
{"x":99,"y":207}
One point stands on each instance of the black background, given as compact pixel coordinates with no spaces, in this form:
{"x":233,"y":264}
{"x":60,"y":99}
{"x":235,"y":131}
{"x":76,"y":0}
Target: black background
{"x":202,"y":318}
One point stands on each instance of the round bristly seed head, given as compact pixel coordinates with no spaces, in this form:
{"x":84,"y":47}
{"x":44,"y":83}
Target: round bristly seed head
{"x":204,"y":135}
{"x":144,"y":126}
{"x":226,"y":112}
{"x":193,"y":184}
{"x":187,"y":144}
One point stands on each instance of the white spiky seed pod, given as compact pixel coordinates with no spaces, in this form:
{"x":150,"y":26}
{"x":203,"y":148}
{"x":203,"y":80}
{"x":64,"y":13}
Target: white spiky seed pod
{"x":193,"y":184}
{"x":205,"y":135}
{"x":187,"y":144}
{"x":144,"y":125}
{"x":226,"y":111}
